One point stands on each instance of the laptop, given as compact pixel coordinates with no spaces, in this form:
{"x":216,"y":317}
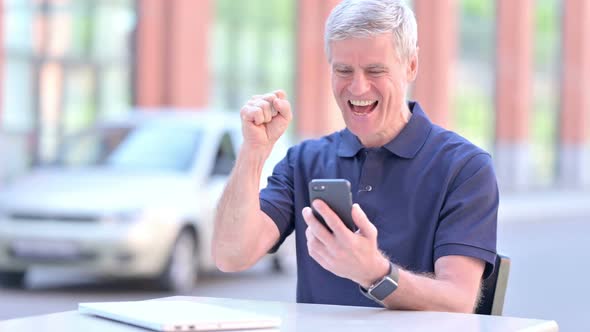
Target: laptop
{"x":164,"y":315}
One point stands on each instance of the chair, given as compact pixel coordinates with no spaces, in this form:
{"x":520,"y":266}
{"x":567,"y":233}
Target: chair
{"x":494,"y":288}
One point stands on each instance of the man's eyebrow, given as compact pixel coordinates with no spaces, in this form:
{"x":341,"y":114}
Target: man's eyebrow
{"x":376,"y":66}
{"x":341,"y":66}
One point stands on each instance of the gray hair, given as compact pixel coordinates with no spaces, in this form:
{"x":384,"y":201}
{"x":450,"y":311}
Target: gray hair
{"x":367,"y":18}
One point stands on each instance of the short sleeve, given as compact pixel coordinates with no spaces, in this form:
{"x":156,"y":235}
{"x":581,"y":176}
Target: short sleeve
{"x":468,"y":218}
{"x":277,"y":199}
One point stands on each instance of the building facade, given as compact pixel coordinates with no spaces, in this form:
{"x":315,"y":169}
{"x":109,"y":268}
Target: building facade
{"x":509,"y":75}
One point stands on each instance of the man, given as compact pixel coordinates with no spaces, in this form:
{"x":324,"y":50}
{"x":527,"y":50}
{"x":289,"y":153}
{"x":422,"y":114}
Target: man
{"x":426,"y":199}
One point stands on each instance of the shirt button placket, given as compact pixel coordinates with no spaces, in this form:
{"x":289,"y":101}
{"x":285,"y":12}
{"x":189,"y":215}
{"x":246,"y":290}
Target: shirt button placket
{"x":368,"y":169}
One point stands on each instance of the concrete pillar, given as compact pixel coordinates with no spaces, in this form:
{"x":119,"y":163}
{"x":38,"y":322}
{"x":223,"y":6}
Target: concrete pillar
{"x":574,"y":143}
{"x":437,"y":40}
{"x":149,"y":57}
{"x":172,"y":67}
{"x":514,"y":40}
{"x":316,"y":111}
{"x":188,"y":53}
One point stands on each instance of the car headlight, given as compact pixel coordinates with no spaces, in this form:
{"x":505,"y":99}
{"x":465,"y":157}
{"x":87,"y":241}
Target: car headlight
{"x":122,"y":216}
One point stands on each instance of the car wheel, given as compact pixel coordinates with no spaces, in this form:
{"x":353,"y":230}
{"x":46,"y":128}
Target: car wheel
{"x":180,"y":273}
{"x":13,"y":279}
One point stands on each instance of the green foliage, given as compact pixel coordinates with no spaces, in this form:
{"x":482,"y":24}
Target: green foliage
{"x":544,"y":119}
{"x":253,"y":49}
{"x":546,"y":34}
{"x":476,"y":30}
{"x":546,"y":12}
{"x":543,"y":137}
{"x":474,"y":117}
{"x":478,"y":8}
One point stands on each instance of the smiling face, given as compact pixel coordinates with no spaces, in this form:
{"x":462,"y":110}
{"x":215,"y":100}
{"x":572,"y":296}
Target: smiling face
{"x":370,"y":83}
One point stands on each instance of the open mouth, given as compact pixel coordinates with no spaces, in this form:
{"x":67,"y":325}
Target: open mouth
{"x":362,"y":107}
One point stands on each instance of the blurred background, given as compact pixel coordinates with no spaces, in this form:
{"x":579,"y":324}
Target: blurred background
{"x":86,"y":83}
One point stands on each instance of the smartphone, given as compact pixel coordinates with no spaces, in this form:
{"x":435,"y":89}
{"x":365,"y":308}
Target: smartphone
{"x":335,"y":193}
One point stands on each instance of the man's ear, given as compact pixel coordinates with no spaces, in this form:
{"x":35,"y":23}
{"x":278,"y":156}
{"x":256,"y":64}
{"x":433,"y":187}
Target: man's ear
{"x":412,"y":66}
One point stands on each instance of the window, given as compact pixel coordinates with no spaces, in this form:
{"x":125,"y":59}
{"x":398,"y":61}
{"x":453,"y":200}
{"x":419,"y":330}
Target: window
{"x":68,"y":64}
{"x":225,"y":157}
{"x":156,"y":146}
{"x":253,"y":50}
{"x":90,"y":148}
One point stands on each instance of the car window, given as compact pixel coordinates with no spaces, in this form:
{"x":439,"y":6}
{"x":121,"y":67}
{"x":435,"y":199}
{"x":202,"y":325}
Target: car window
{"x":225,"y":156}
{"x":90,"y":147}
{"x":157,"y":146}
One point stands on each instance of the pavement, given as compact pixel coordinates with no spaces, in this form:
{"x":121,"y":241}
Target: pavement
{"x":545,"y":234}
{"x":544,"y":205}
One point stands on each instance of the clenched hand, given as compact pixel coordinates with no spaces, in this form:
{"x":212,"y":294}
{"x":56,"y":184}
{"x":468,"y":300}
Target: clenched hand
{"x":265,"y":118}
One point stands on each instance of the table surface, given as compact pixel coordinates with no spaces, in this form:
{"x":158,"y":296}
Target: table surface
{"x":302,"y":317}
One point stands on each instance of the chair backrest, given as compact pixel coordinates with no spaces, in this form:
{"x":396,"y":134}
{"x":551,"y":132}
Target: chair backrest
{"x":494,"y":288}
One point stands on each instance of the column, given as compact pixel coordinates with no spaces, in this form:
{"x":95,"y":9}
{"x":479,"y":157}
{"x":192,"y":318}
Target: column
{"x":149,"y":57}
{"x":172,"y":46}
{"x":316,"y":111}
{"x":437,"y":40}
{"x":514,"y":40}
{"x":574,"y":144}
{"x":188,"y":56}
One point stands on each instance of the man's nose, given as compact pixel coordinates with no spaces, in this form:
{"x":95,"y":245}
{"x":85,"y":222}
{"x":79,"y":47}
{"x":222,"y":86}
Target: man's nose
{"x":359,"y":84}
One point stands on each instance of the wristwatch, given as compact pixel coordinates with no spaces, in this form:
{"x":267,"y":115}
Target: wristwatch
{"x":382,"y":288}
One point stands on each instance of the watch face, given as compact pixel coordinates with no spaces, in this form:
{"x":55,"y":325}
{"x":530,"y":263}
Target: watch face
{"x":384,"y":288}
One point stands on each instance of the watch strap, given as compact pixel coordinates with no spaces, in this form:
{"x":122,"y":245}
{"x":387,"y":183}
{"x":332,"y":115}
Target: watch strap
{"x":390,"y":281}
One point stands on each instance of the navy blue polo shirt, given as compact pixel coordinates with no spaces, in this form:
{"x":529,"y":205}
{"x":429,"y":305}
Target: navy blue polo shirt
{"x":429,"y":192}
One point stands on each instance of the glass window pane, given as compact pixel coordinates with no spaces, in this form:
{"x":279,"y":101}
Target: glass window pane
{"x":81,"y":29}
{"x":88,"y":42}
{"x":79,"y":106}
{"x":18,"y":33}
{"x":114,"y":24}
{"x":17,"y":98}
{"x":142,"y":149}
{"x":115,"y":95}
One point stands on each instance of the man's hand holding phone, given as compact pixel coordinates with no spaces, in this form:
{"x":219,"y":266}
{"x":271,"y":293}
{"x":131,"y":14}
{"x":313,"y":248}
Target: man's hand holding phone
{"x":348,"y":254}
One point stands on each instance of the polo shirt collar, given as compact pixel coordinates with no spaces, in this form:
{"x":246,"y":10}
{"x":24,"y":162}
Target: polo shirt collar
{"x":406,"y":144}
{"x":413,"y":136}
{"x":349,"y":144}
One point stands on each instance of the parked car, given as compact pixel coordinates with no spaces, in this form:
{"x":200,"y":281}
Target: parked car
{"x":132,"y":197}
